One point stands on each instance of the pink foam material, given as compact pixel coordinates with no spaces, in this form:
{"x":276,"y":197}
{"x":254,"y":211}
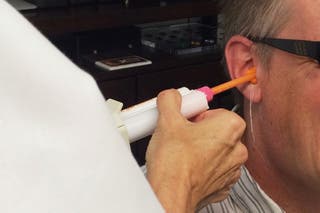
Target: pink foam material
{"x":207,"y":91}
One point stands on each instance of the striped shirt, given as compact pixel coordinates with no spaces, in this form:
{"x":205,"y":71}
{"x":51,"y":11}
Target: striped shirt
{"x":245,"y":197}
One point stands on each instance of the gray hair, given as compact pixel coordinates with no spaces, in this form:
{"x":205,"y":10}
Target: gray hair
{"x":259,"y":18}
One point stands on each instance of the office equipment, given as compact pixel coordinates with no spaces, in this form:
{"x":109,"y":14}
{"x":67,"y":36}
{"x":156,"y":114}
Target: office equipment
{"x":181,"y":39}
{"x":122,"y":62}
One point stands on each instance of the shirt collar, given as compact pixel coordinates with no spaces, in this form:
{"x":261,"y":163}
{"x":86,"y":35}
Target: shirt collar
{"x":249,"y":197}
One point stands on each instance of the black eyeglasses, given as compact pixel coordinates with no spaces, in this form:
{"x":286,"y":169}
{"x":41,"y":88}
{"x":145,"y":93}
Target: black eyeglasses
{"x":309,"y":49}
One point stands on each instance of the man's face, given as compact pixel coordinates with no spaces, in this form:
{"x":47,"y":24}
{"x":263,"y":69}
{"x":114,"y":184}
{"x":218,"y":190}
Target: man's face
{"x":290,"y":107}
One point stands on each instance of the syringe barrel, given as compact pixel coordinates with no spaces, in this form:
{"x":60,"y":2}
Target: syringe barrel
{"x":143,"y":121}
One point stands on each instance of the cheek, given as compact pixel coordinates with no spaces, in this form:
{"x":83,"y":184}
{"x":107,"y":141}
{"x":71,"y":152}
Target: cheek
{"x":310,"y":105}
{"x":304,"y":123}
{"x":308,"y":98}
{"x":288,"y":112}
{"x":291,"y":115}
{"x":311,"y":93}
{"x":274,"y":114}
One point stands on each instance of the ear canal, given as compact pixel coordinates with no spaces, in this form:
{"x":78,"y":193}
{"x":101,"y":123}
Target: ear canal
{"x":254,"y":81}
{"x":252,"y":72}
{"x":253,"y":87}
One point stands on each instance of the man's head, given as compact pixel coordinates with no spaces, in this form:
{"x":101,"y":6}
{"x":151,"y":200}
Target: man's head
{"x":282,"y":109}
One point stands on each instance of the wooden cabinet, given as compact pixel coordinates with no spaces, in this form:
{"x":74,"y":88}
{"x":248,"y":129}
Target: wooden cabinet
{"x":192,"y":76}
{"x":101,"y":16}
{"x":123,"y":90}
{"x":78,"y":30}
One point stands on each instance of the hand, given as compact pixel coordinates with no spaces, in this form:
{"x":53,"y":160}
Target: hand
{"x":189,"y":162}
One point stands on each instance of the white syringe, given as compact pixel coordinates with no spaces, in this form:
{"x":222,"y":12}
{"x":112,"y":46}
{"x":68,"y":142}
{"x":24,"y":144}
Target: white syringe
{"x":140,"y":120}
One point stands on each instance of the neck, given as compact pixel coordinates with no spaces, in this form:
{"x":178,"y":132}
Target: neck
{"x":289,"y":193}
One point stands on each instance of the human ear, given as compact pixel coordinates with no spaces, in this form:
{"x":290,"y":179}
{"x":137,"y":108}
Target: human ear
{"x":240,"y":58}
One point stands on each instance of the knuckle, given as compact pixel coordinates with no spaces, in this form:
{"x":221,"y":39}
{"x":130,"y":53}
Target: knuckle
{"x":234,"y":121}
{"x":236,"y":127}
{"x":237,"y":175}
{"x":242,"y":153}
{"x":237,"y":123}
{"x":224,"y":194}
{"x":222,"y":111}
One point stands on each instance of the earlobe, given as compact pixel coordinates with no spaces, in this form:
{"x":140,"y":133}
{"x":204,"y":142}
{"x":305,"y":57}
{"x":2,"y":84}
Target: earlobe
{"x":240,"y":58}
{"x":252,"y":92}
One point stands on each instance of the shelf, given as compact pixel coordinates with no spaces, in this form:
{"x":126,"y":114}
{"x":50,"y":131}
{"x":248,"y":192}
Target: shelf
{"x":84,"y":18}
{"x":160,"y":62}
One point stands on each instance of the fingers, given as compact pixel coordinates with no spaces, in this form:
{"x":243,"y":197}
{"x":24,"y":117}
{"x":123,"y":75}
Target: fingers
{"x":228,"y":172}
{"x":205,"y":115}
{"x":204,"y":155}
{"x":233,"y":119}
{"x":234,"y":160}
{"x":240,"y":154}
{"x":223,"y":192}
{"x":226,"y":124}
{"x":237,"y":157}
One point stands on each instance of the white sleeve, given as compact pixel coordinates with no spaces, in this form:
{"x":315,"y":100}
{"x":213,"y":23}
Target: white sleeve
{"x":59,"y":149}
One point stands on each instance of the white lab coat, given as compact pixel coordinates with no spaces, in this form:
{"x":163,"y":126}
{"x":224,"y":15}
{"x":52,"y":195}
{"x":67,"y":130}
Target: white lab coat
{"x":59,"y":149}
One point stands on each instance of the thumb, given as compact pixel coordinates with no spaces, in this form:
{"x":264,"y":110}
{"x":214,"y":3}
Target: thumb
{"x":169,"y":106}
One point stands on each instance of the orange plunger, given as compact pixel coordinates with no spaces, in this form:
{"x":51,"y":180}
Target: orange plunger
{"x":249,"y":76}
{"x":210,"y":92}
